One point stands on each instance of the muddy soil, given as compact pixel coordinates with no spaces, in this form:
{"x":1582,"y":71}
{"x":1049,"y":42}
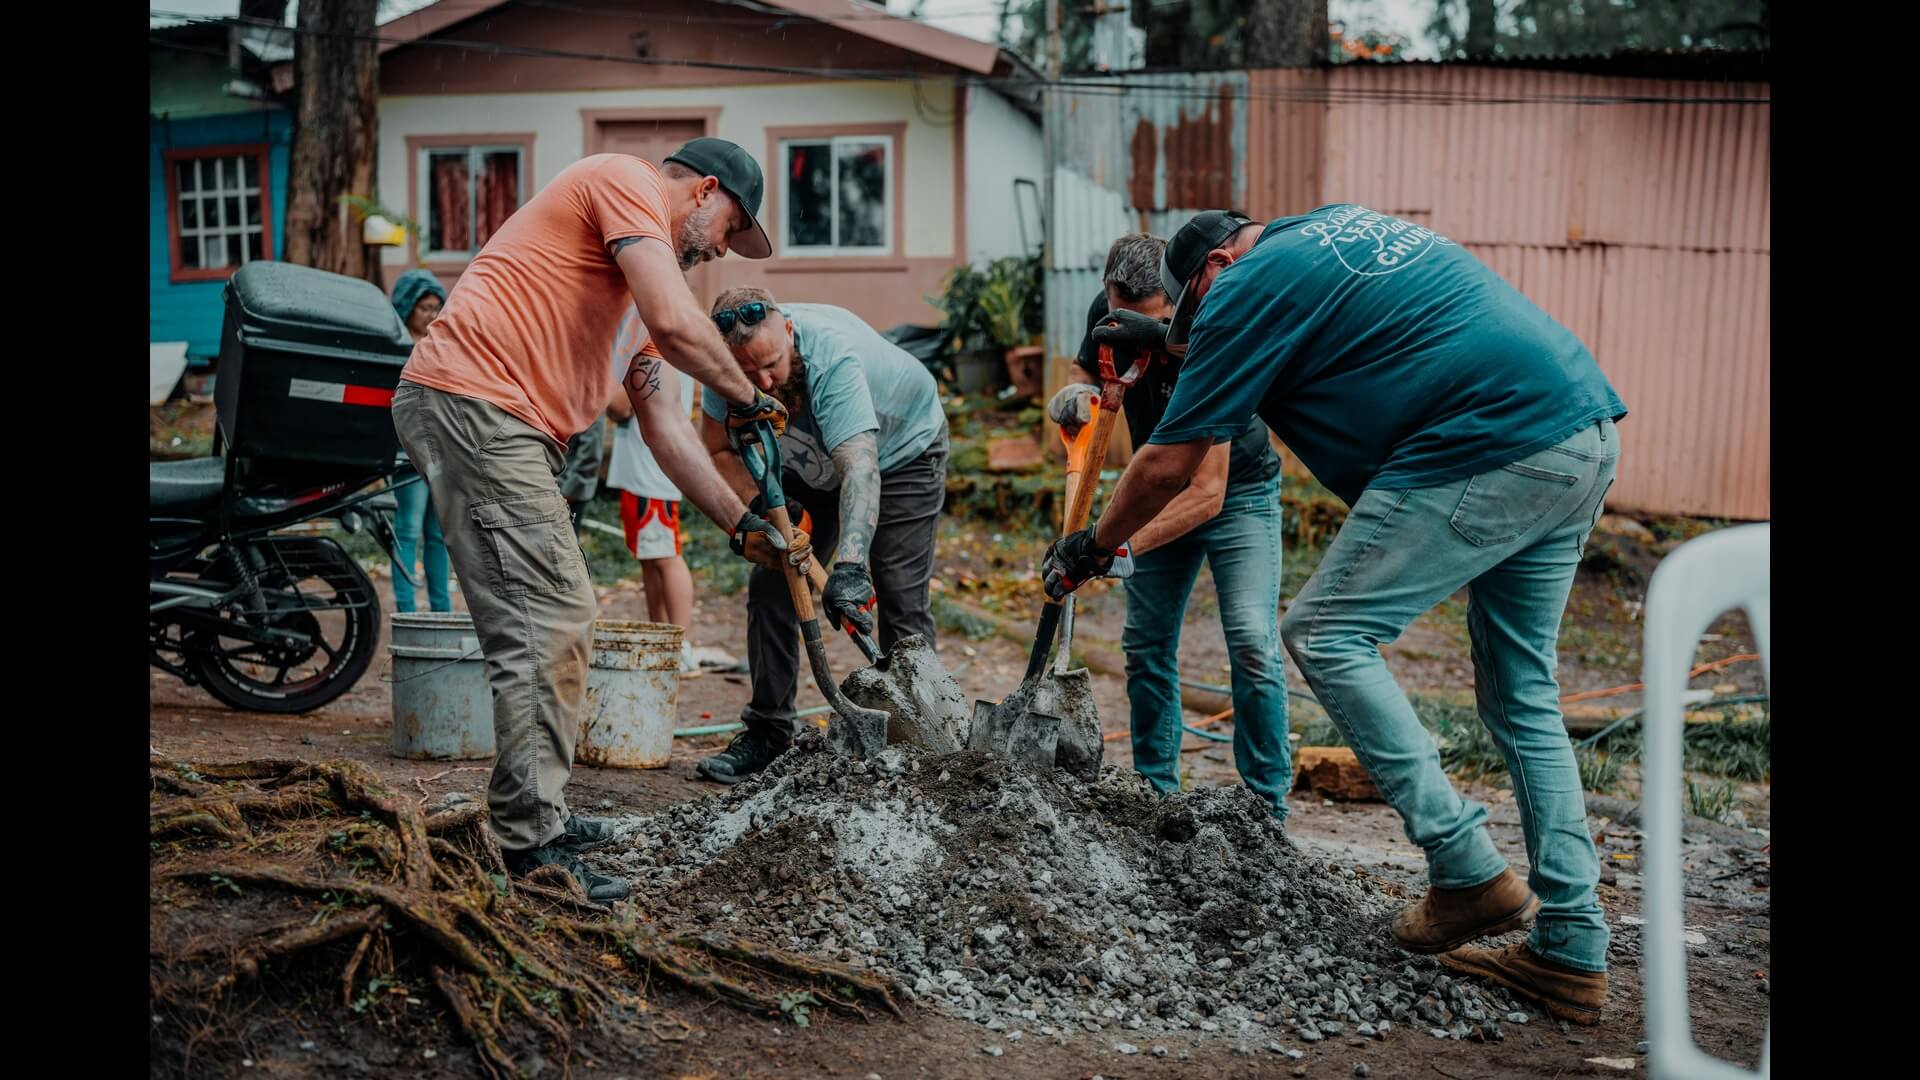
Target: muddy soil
{"x":1728,"y":886}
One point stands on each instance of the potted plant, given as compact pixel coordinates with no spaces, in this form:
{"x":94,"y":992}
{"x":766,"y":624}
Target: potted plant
{"x":977,"y":363}
{"x":1010,"y":301}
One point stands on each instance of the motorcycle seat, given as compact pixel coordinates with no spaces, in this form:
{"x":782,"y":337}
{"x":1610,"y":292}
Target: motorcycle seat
{"x":185,"y":487}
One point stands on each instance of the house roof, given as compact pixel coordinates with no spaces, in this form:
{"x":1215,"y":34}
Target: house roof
{"x":867,"y":21}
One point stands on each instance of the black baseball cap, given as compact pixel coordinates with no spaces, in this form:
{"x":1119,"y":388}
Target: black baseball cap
{"x":739,"y":176}
{"x":1186,"y":254}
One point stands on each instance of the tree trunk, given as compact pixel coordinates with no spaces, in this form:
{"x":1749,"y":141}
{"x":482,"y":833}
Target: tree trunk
{"x":336,"y":136}
{"x":1480,"y":35}
{"x":1286,"y":33}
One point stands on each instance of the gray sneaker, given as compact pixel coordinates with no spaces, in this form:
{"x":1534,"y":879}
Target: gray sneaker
{"x":599,"y":887}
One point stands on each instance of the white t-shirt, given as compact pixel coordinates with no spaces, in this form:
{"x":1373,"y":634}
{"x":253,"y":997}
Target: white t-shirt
{"x":633,"y":467}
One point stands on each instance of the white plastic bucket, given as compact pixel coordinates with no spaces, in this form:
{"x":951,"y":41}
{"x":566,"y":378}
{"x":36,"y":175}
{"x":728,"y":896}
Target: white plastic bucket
{"x":442,"y":705}
{"x":633,"y":695}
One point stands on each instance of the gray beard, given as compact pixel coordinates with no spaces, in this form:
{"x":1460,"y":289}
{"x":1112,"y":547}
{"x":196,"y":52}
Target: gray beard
{"x":692,"y":247}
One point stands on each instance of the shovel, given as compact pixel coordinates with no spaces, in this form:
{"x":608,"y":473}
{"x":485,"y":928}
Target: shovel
{"x":1019,"y":727}
{"x":851,"y":730}
{"x":1076,"y":466}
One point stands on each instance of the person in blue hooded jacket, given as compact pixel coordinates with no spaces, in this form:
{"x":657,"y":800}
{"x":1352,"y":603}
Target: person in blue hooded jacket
{"x":417,"y":296}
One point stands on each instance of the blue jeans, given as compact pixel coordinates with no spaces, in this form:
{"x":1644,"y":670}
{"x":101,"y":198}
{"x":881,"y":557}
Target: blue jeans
{"x":414,"y":524}
{"x":1242,"y":546}
{"x":1513,"y":536}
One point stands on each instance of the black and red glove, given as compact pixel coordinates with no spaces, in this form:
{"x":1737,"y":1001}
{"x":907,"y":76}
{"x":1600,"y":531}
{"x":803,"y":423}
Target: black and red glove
{"x":849,"y":595}
{"x":1072,"y":561}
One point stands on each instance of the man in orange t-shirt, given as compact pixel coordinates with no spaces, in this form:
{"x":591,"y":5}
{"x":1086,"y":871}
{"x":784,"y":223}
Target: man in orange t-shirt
{"x":514,"y":366}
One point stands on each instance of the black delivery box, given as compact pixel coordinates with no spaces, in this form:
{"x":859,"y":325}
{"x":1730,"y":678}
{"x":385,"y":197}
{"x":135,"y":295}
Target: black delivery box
{"x":308,"y":364}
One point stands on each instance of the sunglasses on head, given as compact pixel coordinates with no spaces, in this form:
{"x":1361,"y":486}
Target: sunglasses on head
{"x":748,"y":313}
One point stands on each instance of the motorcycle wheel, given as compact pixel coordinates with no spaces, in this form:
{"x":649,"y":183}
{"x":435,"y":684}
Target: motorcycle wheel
{"x":319,"y":591}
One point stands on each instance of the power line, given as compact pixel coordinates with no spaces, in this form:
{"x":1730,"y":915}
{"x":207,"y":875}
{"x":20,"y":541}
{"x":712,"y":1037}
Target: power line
{"x":1073,"y":85}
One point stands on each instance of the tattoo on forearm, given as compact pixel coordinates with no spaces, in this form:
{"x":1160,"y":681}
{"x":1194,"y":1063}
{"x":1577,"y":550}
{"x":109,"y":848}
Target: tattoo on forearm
{"x":622,"y":244}
{"x":858,"y":462}
{"x":643,"y":378}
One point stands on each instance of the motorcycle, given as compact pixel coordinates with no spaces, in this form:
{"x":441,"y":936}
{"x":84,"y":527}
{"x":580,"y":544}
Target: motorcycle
{"x":265,"y":620}
{"x":267,"y":615}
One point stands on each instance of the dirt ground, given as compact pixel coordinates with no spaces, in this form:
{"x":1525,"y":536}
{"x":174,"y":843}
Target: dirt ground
{"x":1728,"y":870}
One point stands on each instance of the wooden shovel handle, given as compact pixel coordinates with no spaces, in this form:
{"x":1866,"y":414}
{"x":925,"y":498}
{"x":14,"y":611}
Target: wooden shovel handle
{"x":796,"y":585}
{"x":1080,"y":506}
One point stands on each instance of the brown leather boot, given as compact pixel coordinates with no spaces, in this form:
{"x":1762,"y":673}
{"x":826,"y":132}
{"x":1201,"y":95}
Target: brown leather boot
{"x":1566,"y":993}
{"x":1449,"y":918}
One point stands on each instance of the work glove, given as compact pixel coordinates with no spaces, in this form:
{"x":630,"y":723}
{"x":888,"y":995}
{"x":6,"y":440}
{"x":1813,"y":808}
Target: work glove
{"x":755,"y":539}
{"x":1074,"y":559}
{"x":796,"y":513}
{"x":762,"y":407}
{"x":1072,"y":406}
{"x":1129,"y":333}
{"x":849,"y":595}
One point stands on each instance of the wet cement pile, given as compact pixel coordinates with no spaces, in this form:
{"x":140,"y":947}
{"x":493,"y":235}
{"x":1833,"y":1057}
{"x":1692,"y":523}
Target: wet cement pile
{"x":1040,"y":904}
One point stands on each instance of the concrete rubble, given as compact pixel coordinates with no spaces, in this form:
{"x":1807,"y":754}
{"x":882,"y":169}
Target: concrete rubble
{"x":1038,"y":904}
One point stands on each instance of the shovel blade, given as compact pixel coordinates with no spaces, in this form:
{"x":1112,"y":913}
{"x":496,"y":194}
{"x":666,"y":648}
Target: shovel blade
{"x":1012,"y":729}
{"x":1068,"y":696}
{"x":1034,"y":740}
{"x":859,"y":732}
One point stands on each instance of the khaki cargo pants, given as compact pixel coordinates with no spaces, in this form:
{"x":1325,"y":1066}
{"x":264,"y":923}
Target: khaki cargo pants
{"x":508,"y":534}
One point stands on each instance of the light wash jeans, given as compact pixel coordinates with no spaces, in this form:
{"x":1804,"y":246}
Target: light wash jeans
{"x":1513,"y":537}
{"x":416,"y":529}
{"x":1242,"y":546}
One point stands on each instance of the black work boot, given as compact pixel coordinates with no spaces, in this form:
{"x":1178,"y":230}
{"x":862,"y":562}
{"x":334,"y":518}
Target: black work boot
{"x":557,"y":852}
{"x":749,"y":752}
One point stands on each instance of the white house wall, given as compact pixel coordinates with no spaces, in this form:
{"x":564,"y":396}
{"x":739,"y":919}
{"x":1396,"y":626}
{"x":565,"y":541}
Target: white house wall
{"x":1002,"y":145}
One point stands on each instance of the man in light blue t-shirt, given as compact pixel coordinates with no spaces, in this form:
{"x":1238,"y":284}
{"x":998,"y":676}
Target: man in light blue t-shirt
{"x":1473,"y":437}
{"x":865,"y":457}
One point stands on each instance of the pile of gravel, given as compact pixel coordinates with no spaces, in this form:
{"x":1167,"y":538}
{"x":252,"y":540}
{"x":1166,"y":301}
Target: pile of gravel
{"x":1038,"y":903}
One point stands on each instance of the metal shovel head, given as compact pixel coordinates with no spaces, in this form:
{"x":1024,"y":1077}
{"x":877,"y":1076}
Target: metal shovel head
{"x":858,"y":732}
{"x":923,"y":703}
{"x":1068,"y":696}
{"x":1012,"y":729}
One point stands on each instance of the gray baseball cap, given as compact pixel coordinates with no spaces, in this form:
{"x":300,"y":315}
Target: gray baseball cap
{"x":1186,"y":256}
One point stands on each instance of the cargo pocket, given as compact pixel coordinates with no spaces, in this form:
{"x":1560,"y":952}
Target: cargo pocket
{"x":1502,"y":505}
{"x":531,"y":545}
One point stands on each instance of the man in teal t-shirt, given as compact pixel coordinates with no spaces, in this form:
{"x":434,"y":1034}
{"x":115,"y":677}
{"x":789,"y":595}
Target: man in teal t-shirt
{"x":866,"y":450}
{"x":1473,"y":438}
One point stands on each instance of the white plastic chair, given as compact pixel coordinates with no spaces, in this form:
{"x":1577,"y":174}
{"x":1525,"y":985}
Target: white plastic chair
{"x":1693,"y":586}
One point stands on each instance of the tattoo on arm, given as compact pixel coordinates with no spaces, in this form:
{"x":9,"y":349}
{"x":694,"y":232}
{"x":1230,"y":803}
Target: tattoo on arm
{"x":643,"y":378}
{"x":858,"y":462}
{"x":621,"y":244}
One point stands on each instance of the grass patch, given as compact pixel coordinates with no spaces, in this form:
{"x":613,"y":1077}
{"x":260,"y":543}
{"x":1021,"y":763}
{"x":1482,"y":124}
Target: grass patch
{"x":950,"y":617}
{"x":1738,"y":747}
{"x":1599,"y":770}
{"x":1735,"y":750}
{"x":1710,"y":801}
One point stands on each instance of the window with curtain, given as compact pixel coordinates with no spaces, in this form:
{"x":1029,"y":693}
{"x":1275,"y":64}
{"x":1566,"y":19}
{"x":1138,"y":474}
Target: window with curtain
{"x":838,"y":195}
{"x":220,"y":217}
{"x":470,"y":192}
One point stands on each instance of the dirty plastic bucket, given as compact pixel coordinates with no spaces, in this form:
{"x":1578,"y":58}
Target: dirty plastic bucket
{"x":633,"y":695}
{"x":442,"y":705}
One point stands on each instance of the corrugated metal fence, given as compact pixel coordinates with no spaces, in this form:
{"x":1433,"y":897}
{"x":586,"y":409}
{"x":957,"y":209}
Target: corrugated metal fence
{"x":1643,"y":226}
